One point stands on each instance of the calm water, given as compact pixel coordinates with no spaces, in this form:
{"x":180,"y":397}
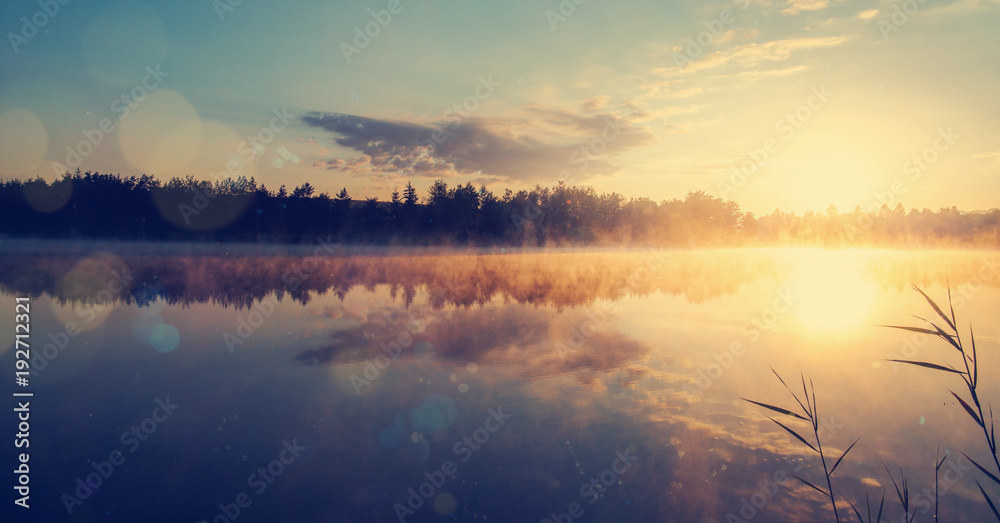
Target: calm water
{"x":320,"y":385}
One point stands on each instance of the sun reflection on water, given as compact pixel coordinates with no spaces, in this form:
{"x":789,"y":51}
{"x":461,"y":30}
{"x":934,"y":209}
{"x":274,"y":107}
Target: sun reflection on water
{"x":834,"y":292}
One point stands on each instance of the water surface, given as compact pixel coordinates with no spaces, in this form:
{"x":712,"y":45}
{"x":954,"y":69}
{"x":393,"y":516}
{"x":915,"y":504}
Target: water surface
{"x":370,"y":372}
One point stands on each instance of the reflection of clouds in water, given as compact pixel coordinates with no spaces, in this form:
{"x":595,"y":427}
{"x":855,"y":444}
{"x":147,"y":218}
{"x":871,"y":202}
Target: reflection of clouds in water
{"x":516,"y":339}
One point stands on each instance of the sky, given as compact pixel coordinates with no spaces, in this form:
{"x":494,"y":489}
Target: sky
{"x":790,"y":104}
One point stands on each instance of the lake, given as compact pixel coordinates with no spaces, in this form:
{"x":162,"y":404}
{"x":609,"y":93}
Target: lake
{"x":318,"y":383}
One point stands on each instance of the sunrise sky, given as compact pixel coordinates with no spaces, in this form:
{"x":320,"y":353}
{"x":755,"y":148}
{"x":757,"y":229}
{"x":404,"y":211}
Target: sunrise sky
{"x":821,"y":102}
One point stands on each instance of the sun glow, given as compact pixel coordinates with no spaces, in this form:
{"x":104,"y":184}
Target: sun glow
{"x":833,"y":292}
{"x":841,"y":181}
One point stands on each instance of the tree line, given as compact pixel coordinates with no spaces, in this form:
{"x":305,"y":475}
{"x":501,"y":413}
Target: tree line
{"x":90,"y":205}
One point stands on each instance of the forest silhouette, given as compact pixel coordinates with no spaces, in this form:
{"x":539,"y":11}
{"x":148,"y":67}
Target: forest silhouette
{"x":88,"y":205}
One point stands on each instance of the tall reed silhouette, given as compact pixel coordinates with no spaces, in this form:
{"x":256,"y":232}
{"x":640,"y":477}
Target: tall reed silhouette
{"x":810,"y":413}
{"x":970,"y":377}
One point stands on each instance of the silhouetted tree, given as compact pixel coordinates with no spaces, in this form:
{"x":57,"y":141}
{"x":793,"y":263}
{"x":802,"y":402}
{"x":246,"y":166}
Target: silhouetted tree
{"x":96,"y":205}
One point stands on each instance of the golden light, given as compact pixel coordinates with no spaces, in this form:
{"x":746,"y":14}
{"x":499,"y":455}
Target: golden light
{"x":833,"y":292}
{"x":843,"y":180}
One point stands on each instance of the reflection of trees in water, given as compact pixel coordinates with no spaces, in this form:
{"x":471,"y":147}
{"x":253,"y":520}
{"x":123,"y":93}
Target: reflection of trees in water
{"x":547,"y":278}
{"x":899,"y":270}
{"x":558,"y":279}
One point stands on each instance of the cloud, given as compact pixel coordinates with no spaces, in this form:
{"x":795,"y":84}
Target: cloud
{"x":961,"y":6}
{"x":745,"y":56}
{"x":646,"y":115}
{"x":596,"y":103}
{"x":752,"y":55}
{"x":868,"y":14}
{"x":796,"y":6}
{"x":534,"y":147}
{"x":753,"y":75}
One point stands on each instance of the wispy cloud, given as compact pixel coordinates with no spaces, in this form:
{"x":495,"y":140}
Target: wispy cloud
{"x":753,"y":55}
{"x":754,"y":75}
{"x":962,"y":6}
{"x":793,"y":7}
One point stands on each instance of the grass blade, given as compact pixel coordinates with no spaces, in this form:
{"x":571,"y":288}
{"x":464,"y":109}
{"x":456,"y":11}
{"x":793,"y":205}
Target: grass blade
{"x":950,"y":306}
{"x":805,"y":392}
{"x":943,"y":335}
{"x":815,"y":412}
{"x":821,"y":491}
{"x":988,"y":500}
{"x":856,"y":513}
{"x":975,"y":360}
{"x":938,"y":467}
{"x":793,"y":433}
{"x":804,"y":409}
{"x":936,"y":308}
{"x":844,"y":455}
{"x":903,"y":500}
{"x":776,"y":409}
{"x":929,"y":366}
{"x":968,"y":409}
{"x":993,"y":431}
{"x":980,"y":467}
{"x":912,"y":329}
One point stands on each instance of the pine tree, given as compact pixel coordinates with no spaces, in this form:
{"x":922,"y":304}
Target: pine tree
{"x":410,"y":195}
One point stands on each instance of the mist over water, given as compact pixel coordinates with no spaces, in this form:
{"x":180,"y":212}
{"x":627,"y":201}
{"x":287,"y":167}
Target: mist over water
{"x":617,"y":376}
